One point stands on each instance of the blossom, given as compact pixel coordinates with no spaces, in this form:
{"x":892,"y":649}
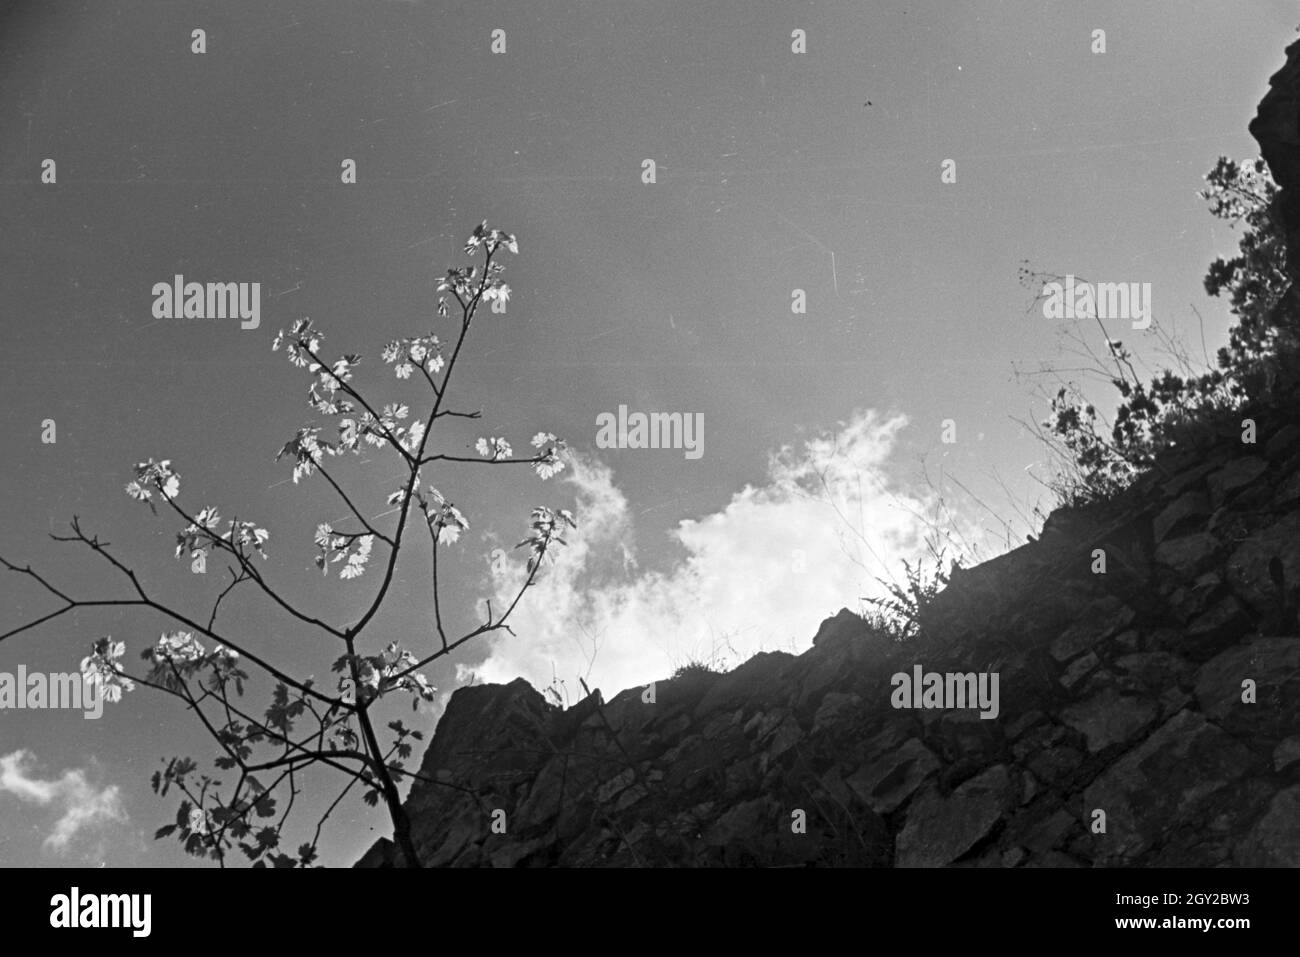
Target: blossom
{"x":100,"y":668}
{"x":494,"y":448}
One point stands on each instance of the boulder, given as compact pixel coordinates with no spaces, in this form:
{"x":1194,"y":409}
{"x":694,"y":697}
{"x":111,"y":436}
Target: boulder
{"x":939,"y":829}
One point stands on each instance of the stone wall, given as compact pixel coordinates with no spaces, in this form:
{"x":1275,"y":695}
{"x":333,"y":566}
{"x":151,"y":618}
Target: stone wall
{"x":1120,"y":691}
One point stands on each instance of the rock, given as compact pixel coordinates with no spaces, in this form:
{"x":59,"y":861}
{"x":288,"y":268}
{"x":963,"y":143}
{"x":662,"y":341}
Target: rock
{"x":1228,"y":524}
{"x":1172,"y":701}
{"x":964,"y":733}
{"x":895,"y":733}
{"x":1055,"y":764}
{"x":589,"y":707}
{"x":739,"y":825}
{"x":611,"y":787}
{"x":833,"y":782}
{"x":1274,"y":665}
{"x":1248,"y":568}
{"x":382,"y":853}
{"x":1050,"y":833}
{"x":1019,"y":725}
{"x":1014,"y":856}
{"x":835,"y":711}
{"x":1167,"y":782}
{"x":1276,"y":127}
{"x":1185,"y":480}
{"x":1104,"y":619}
{"x":724,"y":722}
{"x":1189,"y":510}
{"x":1283,"y":443}
{"x":764,"y":723}
{"x":746,"y":775}
{"x":1189,"y":555}
{"x":1233,"y":477}
{"x":1224,"y":622}
{"x":939,"y":829}
{"x":1109,"y":718}
{"x":885,"y":784}
{"x":1189,"y":602}
{"x":1274,"y":841}
{"x":1129,"y":640}
{"x":1156,"y":669}
{"x":787,"y":736}
{"x":758,"y":679}
{"x":1031,"y":788}
{"x":456,"y":835}
{"x":1287,"y":752}
{"x":843,"y":626}
{"x":1039,"y":739}
{"x":1288,"y":493}
{"x":1079,"y":668}
{"x":510,"y":854}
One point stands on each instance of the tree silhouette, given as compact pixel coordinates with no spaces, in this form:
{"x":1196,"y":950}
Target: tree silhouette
{"x":1102,"y":457}
{"x":269,"y":754}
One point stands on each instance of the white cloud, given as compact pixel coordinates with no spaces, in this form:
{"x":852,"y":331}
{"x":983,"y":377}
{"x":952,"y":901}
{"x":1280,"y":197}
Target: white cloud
{"x":760,"y":574}
{"x":82,"y":804}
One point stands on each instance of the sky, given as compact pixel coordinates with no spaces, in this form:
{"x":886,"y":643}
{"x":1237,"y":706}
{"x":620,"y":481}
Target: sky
{"x":822,"y":465}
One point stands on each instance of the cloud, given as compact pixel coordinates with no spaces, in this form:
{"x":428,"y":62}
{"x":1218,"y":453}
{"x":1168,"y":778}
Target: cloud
{"x":760,"y":574}
{"x":82,"y":805}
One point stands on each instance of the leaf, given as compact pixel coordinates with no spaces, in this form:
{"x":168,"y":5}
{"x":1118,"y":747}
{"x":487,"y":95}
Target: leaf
{"x":164,"y":831}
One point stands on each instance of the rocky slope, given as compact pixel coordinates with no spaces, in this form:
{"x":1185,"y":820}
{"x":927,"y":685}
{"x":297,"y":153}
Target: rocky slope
{"x":1148,"y":661}
{"x":1119,"y":691}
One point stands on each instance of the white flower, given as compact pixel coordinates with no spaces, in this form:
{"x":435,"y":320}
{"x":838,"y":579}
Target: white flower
{"x":495,"y":448}
{"x":413,"y":435}
{"x":100,"y":669}
{"x":549,"y":466}
{"x":179,"y":647}
{"x":357,"y":560}
{"x":138,"y":492}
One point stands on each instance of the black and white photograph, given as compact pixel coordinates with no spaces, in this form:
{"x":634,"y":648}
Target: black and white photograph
{"x":586,"y":435}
